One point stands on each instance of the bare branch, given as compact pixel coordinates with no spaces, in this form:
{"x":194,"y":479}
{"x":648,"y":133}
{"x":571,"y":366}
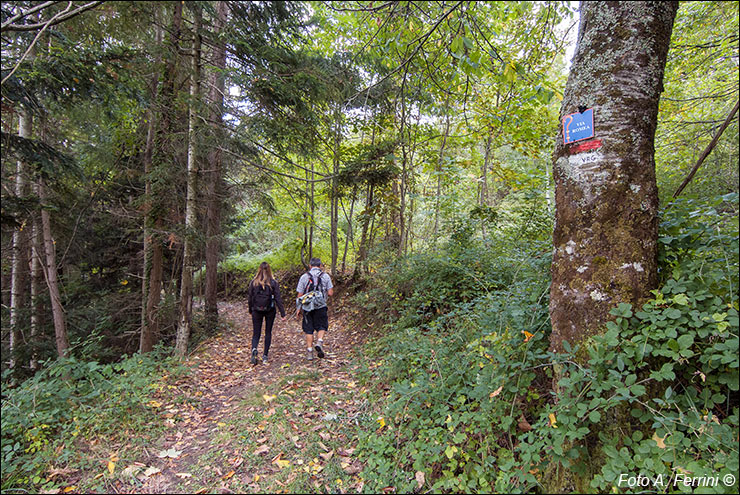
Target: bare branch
{"x":707,"y":150}
{"x":28,"y":12}
{"x":55,"y":20}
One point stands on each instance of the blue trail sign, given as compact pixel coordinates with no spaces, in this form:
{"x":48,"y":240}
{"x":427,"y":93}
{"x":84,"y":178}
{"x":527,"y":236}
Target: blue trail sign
{"x":578,"y":126}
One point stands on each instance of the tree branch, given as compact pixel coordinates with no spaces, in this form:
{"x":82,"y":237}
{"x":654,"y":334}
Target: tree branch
{"x":706,"y":152}
{"x":54,"y":20}
{"x":30,"y":11}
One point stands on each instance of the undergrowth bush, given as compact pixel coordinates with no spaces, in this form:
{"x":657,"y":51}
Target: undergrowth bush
{"x":477,"y":403}
{"x":44,"y":417}
{"x":238,"y":269}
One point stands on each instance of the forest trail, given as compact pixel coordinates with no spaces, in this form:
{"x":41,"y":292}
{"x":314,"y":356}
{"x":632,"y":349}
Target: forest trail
{"x":285,"y":426}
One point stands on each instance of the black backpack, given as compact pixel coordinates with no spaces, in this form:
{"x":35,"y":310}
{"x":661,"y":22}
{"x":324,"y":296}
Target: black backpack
{"x":263,"y":297}
{"x":310,"y":286}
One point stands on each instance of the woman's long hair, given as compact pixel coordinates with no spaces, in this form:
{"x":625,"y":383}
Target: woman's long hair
{"x":264,"y":275}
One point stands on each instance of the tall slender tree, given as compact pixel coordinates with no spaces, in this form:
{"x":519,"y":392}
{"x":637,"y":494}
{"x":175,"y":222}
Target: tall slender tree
{"x":188,"y":262}
{"x":216,"y":83}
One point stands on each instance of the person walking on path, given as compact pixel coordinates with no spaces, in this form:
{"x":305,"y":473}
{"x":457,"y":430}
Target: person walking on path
{"x":316,"y":286}
{"x":263,"y":298}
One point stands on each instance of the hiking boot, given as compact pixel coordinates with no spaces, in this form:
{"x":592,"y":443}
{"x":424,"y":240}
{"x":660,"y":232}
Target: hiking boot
{"x":319,"y":348}
{"x":264,"y":359}
{"x":254,"y":356}
{"x":309,"y":355}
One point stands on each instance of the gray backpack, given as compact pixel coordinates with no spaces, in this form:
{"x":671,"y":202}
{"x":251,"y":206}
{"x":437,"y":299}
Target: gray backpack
{"x":313,"y":297}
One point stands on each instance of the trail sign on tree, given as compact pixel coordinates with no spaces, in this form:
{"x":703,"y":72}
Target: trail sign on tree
{"x":606,"y":221}
{"x":578,"y":126}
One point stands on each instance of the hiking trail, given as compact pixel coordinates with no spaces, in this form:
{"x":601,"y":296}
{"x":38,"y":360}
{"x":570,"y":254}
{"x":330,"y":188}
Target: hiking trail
{"x":288,"y":426}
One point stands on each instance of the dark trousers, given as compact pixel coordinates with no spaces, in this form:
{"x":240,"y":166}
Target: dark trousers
{"x":257,"y":317}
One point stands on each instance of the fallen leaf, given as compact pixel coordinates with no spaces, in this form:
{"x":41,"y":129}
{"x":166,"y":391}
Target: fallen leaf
{"x":172,"y":453}
{"x":324,"y":436}
{"x":381,"y":421}
{"x":183,"y":475}
{"x":262,"y":450}
{"x":323,"y":447}
{"x":496,"y":392}
{"x":524,"y":424}
{"x":419,"y":479}
{"x":326,"y":455}
{"x":111,"y":467}
{"x":131,"y":471}
{"x":262,"y":440}
{"x":659,"y":441}
{"x":346,"y":452}
{"x":553,"y":421}
{"x":228,"y":475}
{"x":527,"y":335}
{"x":70,"y":489}
{"x":151,"y":471}
{"x":268,"y":398}
{"x":202,"y":490}
{"x":281,"y":463}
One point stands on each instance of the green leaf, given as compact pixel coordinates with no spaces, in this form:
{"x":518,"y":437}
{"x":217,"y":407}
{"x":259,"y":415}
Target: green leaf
{"x":685,"y":341}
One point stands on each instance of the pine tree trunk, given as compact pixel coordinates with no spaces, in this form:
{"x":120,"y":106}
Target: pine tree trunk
{"x":606,"y":221}
{"x":186,"y":286}
{"x":213,"y":202}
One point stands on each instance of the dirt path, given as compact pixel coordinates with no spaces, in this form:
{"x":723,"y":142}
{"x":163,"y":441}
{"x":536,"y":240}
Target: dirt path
{"x":253,"y":425}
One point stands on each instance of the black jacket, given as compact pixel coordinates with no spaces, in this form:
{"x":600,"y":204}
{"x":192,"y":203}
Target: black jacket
{"x":275,"y":292}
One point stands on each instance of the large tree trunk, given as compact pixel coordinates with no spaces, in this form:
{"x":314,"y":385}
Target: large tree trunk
{"x":186,"y":286}
{"x":20,"y":242}
{"x":213,"y":214}
{"x":606,"y":221}
{"x":50,"y":270}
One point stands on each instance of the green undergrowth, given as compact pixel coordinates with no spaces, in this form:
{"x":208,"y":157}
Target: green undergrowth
{"x":53,"y":422}
{"x":237,"y":270}
{"x":475,"y":402}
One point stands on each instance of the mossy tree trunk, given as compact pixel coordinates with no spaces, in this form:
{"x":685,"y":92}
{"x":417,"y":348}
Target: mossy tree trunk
{"x":606,"y":219}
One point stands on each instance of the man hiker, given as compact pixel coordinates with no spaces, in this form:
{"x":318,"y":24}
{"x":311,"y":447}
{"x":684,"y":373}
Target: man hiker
{"x":314,"y":289}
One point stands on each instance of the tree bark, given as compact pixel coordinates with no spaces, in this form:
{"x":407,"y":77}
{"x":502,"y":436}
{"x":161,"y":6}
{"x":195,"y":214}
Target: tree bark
{"x":213,"y":213}
{"x":606,"y":220}
{"x":19,"y":245}
{"x":50,"y":270}
{"x":158,"y":133}
{"x":186,"y":286}
{"x":36,"y":250}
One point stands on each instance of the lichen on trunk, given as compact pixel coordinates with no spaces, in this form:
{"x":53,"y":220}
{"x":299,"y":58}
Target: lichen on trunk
{"x":606,"y":221}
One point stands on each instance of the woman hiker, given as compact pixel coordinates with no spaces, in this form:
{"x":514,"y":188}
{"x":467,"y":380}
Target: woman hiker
{"x":263,"y":297}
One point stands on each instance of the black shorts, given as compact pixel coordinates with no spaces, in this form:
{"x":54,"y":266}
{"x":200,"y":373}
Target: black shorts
{"x":316,"y":320}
